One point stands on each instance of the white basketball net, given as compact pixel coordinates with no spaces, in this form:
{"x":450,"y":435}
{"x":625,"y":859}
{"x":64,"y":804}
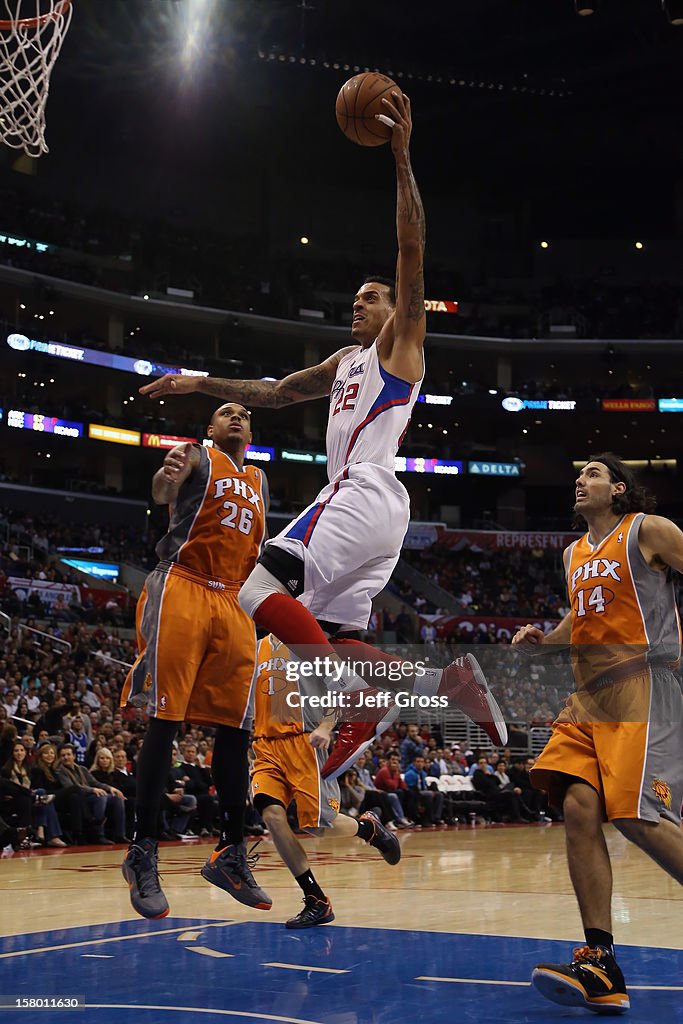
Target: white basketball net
{"x":31,"y":36}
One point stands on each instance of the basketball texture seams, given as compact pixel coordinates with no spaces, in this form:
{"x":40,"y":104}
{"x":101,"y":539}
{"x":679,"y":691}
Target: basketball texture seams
{"x":358,"y":101}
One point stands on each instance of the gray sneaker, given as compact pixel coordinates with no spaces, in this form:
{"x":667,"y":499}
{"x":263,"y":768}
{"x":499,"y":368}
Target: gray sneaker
{"x":230,"y":870}
{"x":141,"y":870}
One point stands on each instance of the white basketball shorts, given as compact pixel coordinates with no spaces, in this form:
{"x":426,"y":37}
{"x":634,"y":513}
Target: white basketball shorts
{"x":349,"y":540}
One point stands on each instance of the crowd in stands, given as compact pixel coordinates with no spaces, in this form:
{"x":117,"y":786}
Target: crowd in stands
{"x":417,"y":780}
{"x":515,"y":583}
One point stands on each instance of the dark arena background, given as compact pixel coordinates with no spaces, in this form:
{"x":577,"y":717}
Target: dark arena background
{"x":200,"y":211}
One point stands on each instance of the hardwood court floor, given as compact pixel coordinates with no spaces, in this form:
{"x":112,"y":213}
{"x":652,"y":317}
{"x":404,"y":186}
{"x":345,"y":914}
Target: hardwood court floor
{"x":458,"y":919}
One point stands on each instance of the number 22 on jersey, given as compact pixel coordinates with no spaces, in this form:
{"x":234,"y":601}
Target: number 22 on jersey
{"x":347,"y":399}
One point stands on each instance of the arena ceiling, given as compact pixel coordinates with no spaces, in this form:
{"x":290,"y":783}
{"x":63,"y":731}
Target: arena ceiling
{"x":625,"y":58}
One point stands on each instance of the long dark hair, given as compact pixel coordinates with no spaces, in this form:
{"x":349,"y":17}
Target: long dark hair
{"x":634,"y":499}
{"x":387,"y":281}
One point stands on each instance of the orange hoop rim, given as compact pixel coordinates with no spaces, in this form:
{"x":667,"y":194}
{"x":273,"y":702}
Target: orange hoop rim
{"x":41,"y":19}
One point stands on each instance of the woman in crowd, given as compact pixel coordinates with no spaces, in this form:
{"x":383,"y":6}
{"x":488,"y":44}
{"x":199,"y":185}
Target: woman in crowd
{"x":22,"y":712}
{"x":15,"y":802}
{"x":43,"y":815}
{"x":94,"y":748}
{"x":105,"y":770}
{"x":67,"y":799}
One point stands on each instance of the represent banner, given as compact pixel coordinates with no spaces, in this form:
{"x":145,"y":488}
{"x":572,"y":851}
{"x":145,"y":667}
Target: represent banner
{"x":492,"y":540}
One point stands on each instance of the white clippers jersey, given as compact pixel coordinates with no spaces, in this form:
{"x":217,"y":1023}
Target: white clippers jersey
{"x":369,"y":412}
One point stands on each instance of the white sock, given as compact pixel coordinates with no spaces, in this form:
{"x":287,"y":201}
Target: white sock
{"x":428,"y":682}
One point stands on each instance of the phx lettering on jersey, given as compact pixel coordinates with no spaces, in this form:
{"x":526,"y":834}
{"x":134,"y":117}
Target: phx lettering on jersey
{"x":598,"y":568}
{"x":272,"y":665}
{"x":240,"y":488}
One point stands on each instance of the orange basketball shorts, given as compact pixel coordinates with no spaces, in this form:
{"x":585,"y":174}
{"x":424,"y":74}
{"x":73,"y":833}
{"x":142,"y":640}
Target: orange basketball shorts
{"x":287,"y":768}
{"x":626,"y":742}
{"x":197,"y":650}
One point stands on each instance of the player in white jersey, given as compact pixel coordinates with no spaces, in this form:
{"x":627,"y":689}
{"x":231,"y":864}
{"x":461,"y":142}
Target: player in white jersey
{"x":340,"y":552}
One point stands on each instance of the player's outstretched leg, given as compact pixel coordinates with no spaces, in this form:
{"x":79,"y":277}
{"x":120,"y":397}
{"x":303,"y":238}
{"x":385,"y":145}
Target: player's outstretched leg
{"x":141,"y":871}
{"x":230,"y":870}
{"x":463,"y":683}
{"x":592,"y":980}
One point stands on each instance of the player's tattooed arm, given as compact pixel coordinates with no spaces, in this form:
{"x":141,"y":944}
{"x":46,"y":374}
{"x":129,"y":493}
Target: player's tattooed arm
{"x":405,"y":334}
{"x":410,"y":230}
{"x":302,"y":386}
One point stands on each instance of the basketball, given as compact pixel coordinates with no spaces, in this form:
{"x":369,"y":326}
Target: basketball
{"x":358,"y":101}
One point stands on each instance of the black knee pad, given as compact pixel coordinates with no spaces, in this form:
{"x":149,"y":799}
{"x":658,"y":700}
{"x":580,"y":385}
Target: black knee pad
{"x":262,"y":800}
{"x":285,"y":567}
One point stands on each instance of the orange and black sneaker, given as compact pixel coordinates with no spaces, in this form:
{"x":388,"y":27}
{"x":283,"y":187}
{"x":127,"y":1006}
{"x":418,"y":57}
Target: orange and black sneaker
{"x":230,"y":870}
{"x":382,"y":839}
{"x":593,"y":980}
{"x":315,"y":912}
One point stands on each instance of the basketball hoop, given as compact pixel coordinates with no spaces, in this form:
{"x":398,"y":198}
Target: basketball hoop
{"x":29,"y":47}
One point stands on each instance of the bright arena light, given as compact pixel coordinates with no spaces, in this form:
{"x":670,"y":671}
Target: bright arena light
{"x":195,"y":28}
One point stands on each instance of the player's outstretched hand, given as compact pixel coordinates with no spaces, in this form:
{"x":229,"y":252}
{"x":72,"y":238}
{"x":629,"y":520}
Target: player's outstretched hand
{"x":175,"y":462}
{"x":170,"y":384}
{"x":528,"y":639}
{"x":398,"y":109}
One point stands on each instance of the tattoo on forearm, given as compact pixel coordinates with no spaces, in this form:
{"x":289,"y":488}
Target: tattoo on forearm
{"x":313,"y":382}
{"x":410,"y":225}
{"x":409,"y":209}
{"x":416,"y":304}
{"x":246,"y":392}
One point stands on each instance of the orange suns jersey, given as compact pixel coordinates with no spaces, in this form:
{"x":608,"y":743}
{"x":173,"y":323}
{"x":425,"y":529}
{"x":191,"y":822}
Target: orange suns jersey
{"x":623,"y":612}
{"x":274,"y":717}
{"x":218,"y":522}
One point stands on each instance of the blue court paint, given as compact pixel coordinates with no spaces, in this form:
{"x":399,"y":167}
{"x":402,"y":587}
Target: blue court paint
{"x":157,"y":969}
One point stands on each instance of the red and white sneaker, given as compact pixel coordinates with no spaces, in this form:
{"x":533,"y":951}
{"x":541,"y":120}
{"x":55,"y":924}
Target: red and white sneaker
{"x":465,"y":686}
{"x":462,"y":682}
{"x":356,"y":734}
